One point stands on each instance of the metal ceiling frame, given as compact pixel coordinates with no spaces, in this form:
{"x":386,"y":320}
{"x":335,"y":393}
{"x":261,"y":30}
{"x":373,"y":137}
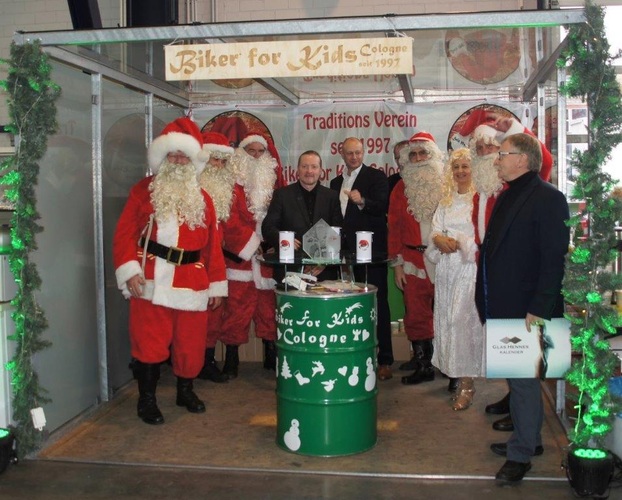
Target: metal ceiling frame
{"x":61,"y":44}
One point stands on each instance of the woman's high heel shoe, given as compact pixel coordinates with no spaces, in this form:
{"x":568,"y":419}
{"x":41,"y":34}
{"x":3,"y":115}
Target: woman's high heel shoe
{"x":464,"y":394}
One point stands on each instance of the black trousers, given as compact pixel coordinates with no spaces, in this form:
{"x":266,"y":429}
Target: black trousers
{"x":377,"y":276}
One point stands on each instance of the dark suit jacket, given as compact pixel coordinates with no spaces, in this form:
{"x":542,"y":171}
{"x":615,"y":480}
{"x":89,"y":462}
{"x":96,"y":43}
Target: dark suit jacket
{"x":393,"y":179}
{"x":522,"y":270}
{"x":288,"y":212}
{"x":374,"y":187}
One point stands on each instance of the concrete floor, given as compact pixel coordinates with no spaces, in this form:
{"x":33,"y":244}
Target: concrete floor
{"x":43,"y":479}
{"x":424,"y":450}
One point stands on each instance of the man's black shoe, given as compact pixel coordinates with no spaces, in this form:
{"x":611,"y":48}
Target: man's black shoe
{"x":512,"y":472}
{"x":500,"y":407}
{"x":502,"y":449}
{"x":504,"y":425}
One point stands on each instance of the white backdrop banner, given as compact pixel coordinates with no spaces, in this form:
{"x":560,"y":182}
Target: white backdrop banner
{"x":324,"y":127}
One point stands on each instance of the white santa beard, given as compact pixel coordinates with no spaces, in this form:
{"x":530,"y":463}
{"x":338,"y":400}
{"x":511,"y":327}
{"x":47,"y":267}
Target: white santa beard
{"x":219,"y":182}
{"x":175,"y":192}
{"x":258,"y":176}
{"x":484,"y":174}
{"x":423,"y":189}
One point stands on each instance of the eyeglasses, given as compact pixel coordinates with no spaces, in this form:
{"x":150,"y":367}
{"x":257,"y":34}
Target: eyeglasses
{"x":505,"y":153}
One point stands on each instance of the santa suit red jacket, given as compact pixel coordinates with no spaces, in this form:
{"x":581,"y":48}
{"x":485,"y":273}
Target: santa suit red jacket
{"x":407,"y":237}
{"x":186,"y":287}
{"x":241,"y":235}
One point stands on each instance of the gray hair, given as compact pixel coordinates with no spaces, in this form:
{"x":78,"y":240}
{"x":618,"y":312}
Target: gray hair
{"x":530,"y":146}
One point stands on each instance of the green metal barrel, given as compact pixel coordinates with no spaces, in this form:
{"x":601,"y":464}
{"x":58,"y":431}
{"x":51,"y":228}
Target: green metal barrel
{"x":326,"y":372}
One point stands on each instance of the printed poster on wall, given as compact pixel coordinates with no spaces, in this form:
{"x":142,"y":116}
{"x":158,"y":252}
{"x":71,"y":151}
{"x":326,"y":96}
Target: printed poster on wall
{"x":323,"y":127}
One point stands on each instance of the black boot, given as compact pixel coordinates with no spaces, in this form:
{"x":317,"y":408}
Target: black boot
{"x":147,"y":376}
{"x":412,"y":364}
{"x":232,"y":360}
{"x":269,"y":355}
{"x":210,"y":370}
{"x":186,"y":396}
{"x":425,"y":371}
{"x":453,"y":384}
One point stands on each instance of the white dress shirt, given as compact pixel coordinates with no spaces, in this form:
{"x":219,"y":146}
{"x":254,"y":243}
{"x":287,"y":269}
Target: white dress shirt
{"x":346,"y":185}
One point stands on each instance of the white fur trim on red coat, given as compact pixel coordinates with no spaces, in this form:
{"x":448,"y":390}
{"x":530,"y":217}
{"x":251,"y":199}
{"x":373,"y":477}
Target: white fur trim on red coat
{"x":239,"y":275}
{"x":412,"y":269}
{"x":515,"y":128}
{"x":250,"y":248}
{"x":253,"y":138}
{"x":261,"y":282}
{"x":398,"y":260}
{"x":218,"y":289}
{"x":124,"y":273}
{"x":208,"y":148}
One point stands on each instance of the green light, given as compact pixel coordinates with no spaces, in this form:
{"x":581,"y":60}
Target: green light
{"x":3,"y":433}
{"x":590,"y":453}
{"x":580,"y":255}
{"x":593,"y":297}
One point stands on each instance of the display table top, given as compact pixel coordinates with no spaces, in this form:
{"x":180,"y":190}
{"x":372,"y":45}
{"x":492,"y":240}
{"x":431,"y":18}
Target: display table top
{"x":328,"y":289}
{"x":300,"y":260}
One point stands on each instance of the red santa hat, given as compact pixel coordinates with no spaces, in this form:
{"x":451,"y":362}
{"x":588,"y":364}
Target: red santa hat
{"x":215,"y":142}
{"x":476,"y":117}
{"x":422,"y":136}
{"x":430,"y":145}
{"x":253,"y":137}
{"x":182,"y":135}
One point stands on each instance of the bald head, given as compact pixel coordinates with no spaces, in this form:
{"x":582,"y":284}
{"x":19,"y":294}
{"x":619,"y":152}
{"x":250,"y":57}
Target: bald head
{"x":352,"y":153}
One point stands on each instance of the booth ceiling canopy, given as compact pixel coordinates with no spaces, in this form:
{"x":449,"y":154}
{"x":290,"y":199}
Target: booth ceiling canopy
{"x":475,"y":56}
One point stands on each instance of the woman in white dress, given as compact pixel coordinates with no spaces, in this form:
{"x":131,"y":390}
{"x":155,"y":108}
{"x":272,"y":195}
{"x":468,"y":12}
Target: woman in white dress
{"x":458,"y":333}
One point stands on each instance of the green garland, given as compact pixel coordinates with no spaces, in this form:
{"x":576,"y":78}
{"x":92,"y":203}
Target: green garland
{"x":31,"y":101}
{"x":593,"y":79}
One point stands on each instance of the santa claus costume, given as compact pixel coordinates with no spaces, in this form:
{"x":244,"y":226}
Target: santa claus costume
{"x":218,"y":179}
{"x":411,"y":208}
{"x":169,"y":263}
{"x":251,"y":287}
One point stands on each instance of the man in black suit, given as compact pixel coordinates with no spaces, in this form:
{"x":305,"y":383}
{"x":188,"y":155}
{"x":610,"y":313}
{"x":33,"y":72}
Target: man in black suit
{"x":364,"y":195}
{"x":299,"y":206}
{"x":521,"y":266}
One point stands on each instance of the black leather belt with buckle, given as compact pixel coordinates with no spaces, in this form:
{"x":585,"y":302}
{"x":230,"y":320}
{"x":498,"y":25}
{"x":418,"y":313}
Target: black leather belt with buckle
{"x":174,"y":255}
{"x":418,"y":248}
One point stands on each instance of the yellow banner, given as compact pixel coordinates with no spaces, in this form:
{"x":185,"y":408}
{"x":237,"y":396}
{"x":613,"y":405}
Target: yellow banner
{"x":297,"y":58}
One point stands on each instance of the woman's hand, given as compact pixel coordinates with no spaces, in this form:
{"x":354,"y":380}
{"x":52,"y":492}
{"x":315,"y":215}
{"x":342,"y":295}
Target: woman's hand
{"x":445,"y":244}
